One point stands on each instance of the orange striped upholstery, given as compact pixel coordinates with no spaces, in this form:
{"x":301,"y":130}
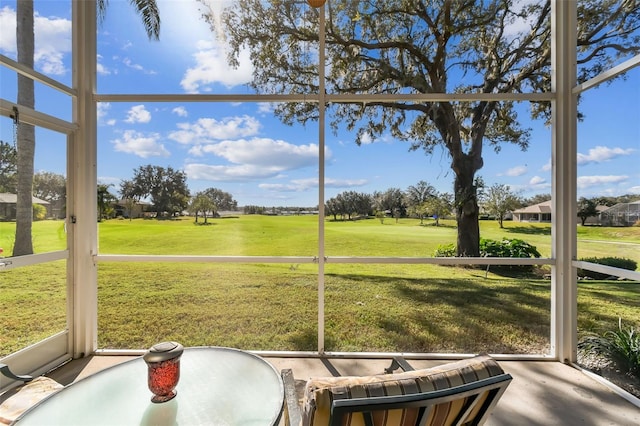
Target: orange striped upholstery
{"x":320,"y":392}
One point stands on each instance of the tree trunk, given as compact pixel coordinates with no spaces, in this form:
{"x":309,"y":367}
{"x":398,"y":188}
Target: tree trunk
{"x":466,"y":203}
{"x":26,"y":133}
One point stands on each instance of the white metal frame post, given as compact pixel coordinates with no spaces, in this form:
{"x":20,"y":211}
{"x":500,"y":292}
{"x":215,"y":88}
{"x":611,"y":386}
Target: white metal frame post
{"x":564,"y":175}
{"x":321,"y":137}
{"x":82,"y":211}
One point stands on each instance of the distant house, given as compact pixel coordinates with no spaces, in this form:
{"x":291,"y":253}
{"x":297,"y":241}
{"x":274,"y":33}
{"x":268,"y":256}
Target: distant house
{"x":622,"y":214}
{"x":540,"y":212}
{"x":8,"y":205}
{"x":595,"y":220}
{"x":131,"y":210}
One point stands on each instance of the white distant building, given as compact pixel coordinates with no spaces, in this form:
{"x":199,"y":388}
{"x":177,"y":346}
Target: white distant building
{"x":540,"y":212}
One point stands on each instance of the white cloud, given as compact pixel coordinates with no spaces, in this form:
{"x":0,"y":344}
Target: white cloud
{"x":235,"y":173}
{"x":298,"y":185}
{"x":174,"y":16}
{"x":281,"y":187}
{"x":138,"y":114}
{"x":211,"y":67}
{"x":537,"y":180}
{"x":258,"y":158}
{"x":103,"y":110}
{"x":588,"y":181}
{"x":518,"y":24}
{"x":180,"y":111}
{"x":267,"y":152}
{"x":101,"y":68}
{"x":602,"y":153}
{"x":266,"y":107}
{"x":367,"y":138}
{"x":52,"y":40}
{"x":136,"y":143}
{"x":515,"y":171}
{"x":344,"y":183}
{"x":634,"y":189}
{"x":210,"y":129}
{"x":8,"y":30}
{"x":137,"y":67}
{"x":547,"y":166}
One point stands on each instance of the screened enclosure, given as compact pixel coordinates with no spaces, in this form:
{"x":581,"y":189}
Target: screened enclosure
{"x":337,"y":102}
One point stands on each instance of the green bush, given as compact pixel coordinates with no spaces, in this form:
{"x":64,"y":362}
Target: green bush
{"x":445,"y":250}
{"x":493,"y":248}
{"x":616,"y":262}
{"x":621,"y":345}
{"x":39,"y":212}
{"x":507,"y":248}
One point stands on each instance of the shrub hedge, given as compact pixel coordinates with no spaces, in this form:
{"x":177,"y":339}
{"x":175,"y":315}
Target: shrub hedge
{"x":616,"y":262}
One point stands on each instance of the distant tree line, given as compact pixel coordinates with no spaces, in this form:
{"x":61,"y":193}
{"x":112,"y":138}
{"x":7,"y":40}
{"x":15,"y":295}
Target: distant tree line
{"x":167,"y":192}
{"x":420,"y":201}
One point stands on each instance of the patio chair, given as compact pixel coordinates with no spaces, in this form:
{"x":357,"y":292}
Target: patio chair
{"x":458,"y":393}
{"x":14,"y":402}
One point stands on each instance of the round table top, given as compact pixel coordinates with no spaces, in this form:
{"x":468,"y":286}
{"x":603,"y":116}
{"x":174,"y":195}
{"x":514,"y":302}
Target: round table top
{"x":218,"y":386}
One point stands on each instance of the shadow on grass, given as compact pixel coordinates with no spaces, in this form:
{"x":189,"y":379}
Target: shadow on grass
{"x":481,"y":318}
{"x":460,"y":315}
{"x":433,"y":224}
{"x":307,"y":340}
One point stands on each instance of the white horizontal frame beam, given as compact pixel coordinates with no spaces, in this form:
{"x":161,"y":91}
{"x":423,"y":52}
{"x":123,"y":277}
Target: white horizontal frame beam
{"x":332,"y":259}
{"x":338,"y":98}
{"x":35,"y":118}
{"x":607,"y":75}
{"x":604,"y":269}
{"x":209,"y":259}
{"x":36,"y":76}
{"x":32,"y":259}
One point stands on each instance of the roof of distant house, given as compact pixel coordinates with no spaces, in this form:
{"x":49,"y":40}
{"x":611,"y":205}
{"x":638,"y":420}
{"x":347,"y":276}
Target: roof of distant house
{"x":8,"y":198}
{"x":543,"y":207}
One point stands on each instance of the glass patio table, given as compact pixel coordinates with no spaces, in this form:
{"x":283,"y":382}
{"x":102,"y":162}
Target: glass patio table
{"x":218,"y":386}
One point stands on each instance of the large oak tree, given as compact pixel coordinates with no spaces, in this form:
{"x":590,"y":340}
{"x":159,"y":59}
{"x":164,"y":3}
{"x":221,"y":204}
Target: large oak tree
{"x":165,"y":187}
{"x":432,"y":46}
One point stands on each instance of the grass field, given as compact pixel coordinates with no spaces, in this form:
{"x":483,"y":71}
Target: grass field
{"x":372,"y":307}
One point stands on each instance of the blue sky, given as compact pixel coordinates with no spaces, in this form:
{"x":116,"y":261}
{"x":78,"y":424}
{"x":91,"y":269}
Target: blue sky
{"x":243,"y":149}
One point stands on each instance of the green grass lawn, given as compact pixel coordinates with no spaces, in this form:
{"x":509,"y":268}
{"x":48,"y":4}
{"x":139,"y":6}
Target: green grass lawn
{"x":416,"y":308}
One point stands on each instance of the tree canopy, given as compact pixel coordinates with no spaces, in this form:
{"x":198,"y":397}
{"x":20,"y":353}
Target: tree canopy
{"x":8,"y":167}
{"x":166,"y":188}
{"x":499,"y":200}
{"x":221,"y":199}
{"x":441,"y":46}
{"x":586,"y":209}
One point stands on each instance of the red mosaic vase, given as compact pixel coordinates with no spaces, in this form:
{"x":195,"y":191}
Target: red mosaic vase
{"x":163,"y":362}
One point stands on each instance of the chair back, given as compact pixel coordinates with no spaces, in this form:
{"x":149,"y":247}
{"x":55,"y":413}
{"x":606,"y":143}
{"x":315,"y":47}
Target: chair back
{"x":457,"y":393}
{"x":468,"y":404}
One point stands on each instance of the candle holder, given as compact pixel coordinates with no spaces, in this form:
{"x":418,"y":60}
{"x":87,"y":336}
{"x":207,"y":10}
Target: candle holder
{"x":163,"y":362}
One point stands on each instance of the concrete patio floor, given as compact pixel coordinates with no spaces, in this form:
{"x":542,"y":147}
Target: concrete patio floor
{"x":541,"y":393}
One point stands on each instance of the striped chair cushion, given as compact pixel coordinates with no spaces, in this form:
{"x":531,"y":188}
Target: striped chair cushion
{"x":320,"y":392}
